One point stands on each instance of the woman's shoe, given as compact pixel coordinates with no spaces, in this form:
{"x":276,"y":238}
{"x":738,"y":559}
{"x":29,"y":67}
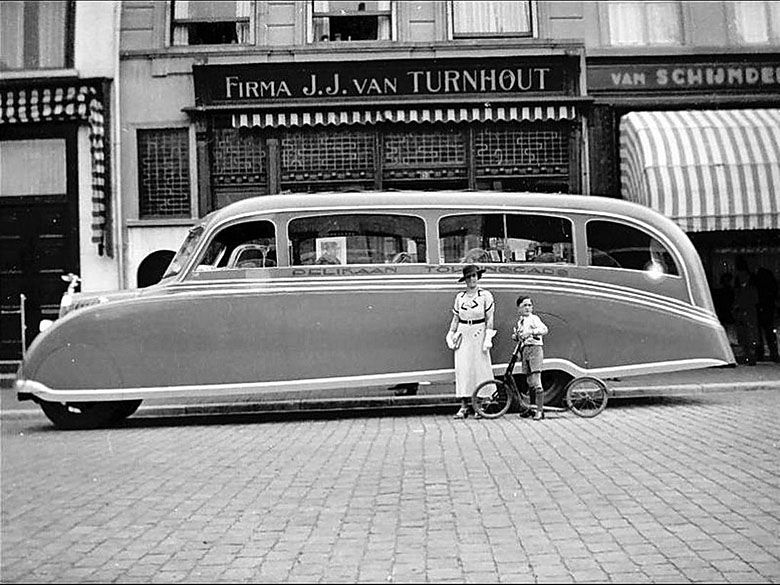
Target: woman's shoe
{"x":539,"y":415}
{"x":462,"y":413}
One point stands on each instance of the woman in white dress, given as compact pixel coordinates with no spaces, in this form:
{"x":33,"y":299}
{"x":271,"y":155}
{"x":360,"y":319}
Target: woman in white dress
{"x":471,"y":337}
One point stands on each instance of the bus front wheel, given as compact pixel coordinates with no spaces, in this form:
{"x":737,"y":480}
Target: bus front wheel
{"x":72,"y":416}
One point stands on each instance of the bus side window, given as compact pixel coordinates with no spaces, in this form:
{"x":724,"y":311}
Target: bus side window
{"x":246,"y":245}
{"x":505,"y":238}
{"x":616,"y":245}
{"x":357,"y":238}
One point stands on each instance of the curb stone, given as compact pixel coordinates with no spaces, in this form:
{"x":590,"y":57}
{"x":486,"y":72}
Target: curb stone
{"x":335,"y":404}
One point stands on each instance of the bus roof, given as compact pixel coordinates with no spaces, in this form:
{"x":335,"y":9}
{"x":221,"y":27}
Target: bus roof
{"x":409,"y":200}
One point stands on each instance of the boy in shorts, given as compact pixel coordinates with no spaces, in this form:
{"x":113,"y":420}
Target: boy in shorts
{"x":529,"y":330}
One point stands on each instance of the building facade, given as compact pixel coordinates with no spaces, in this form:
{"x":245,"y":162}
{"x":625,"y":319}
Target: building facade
{"x":686,"y":119}
{"x":667,"y":103}
{"x":314,"y":96}
{"x":58,"y":63}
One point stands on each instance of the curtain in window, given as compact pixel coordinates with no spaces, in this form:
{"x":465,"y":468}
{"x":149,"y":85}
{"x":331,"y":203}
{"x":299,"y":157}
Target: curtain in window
{"x":51,"y":34}
{"x":491,"y":17}
{"x":751,"y":19}
{"x":19,"y":21}
{"x":383,"y":22}
{"x":774,"y":19}
{"x":644,"y":23}
{"x":625,"y":23}
{"x":12,"y":35}
{"x":243,"y":29}
{"x":663,"y":23}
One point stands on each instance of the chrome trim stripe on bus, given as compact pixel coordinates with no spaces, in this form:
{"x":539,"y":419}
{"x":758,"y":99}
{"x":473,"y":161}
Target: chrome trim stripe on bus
{"x":307,"y":385}
{"x":362,"y":283}
{"x":536,"y":283}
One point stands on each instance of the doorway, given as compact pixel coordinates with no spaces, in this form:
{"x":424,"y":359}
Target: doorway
{"x":38,"y":228}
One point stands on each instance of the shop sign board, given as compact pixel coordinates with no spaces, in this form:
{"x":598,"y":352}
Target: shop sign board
{"x":731,"y":76}
{"x":280,"y":83}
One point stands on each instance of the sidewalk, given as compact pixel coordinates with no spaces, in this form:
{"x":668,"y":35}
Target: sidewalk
{"x":764,"y":376}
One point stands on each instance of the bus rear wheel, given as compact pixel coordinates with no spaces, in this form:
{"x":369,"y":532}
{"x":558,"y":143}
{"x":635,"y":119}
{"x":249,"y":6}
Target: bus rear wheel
{"x":71,"y":416}
{"x":553,"y":382}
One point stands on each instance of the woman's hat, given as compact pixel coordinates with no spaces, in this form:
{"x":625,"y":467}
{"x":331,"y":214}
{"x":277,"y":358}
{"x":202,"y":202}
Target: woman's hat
{"x":470,"y":270}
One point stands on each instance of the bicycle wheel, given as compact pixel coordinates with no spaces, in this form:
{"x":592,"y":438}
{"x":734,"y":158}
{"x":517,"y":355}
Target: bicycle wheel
{"x":492,"y":398}
{"x":586,"y":396}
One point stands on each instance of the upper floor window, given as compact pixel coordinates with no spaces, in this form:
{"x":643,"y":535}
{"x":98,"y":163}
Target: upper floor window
{"x":644,"y":23}
{"x":481,"y":19}
{"x":35,"y":35}
{"x":351,"y":21}
{"x":212,"y":23}
{"x":505,"y":238}
{"x":757,"y":22}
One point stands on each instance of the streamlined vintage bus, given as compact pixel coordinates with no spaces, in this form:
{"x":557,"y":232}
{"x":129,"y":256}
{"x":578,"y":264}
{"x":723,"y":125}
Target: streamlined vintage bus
{"x":343,"y":290}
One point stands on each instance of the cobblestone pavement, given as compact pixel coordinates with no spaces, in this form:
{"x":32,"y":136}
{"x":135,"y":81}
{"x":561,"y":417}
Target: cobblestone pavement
{"x":669,"y":490}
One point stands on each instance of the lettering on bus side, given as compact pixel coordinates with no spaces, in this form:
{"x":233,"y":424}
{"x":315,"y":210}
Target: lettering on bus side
{"x":344,"y":271}
{"x":504,"y":269}
{"x":442,"y":269}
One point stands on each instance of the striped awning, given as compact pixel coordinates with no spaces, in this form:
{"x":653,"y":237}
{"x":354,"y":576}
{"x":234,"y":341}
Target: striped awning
{"x":62,"y":103}
{"x":707,"y":169}
{"x":405,"y":115}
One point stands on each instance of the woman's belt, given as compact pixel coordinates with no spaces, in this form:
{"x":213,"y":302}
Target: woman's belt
{"x":471,"y":321}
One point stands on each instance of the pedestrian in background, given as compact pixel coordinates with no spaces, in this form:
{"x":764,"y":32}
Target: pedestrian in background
{"x":529,"y":331}
{"x":766,"y":286}
{"x":723,"y":299}
{"x":471,"y":336}
{"x":746,"y":311}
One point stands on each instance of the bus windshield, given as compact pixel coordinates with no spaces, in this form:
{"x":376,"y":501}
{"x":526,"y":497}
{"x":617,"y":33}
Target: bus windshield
{"x":183,"y":255}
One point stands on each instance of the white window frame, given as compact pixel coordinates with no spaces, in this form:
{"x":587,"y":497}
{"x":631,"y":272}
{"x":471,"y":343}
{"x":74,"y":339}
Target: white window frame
{"x":534,"y":18}
{"x":310,"y":26}
{"x":250,"y":18}
{"x":607,"y":30}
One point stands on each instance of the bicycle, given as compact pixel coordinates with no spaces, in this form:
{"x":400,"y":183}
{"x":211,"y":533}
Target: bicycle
{"x":585,"y":396}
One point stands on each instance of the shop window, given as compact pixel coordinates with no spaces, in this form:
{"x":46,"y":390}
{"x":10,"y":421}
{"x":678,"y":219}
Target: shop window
{"x":351,"y":21}
{"x":424,"y":155}
{"x":617,"y":245}
{"x":212,"y":23}
{"x":164,"y":172}
{"x":505,"y":238}
{"x":643,"y":23}
{"x":490,"y":19}
{"x":36,"y":35}
{"x":239,"y":166}
{"x":357,"y":239}
{"x":756,"y":22}
{"x":327,"y":159}
{"x":531,"y":152}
